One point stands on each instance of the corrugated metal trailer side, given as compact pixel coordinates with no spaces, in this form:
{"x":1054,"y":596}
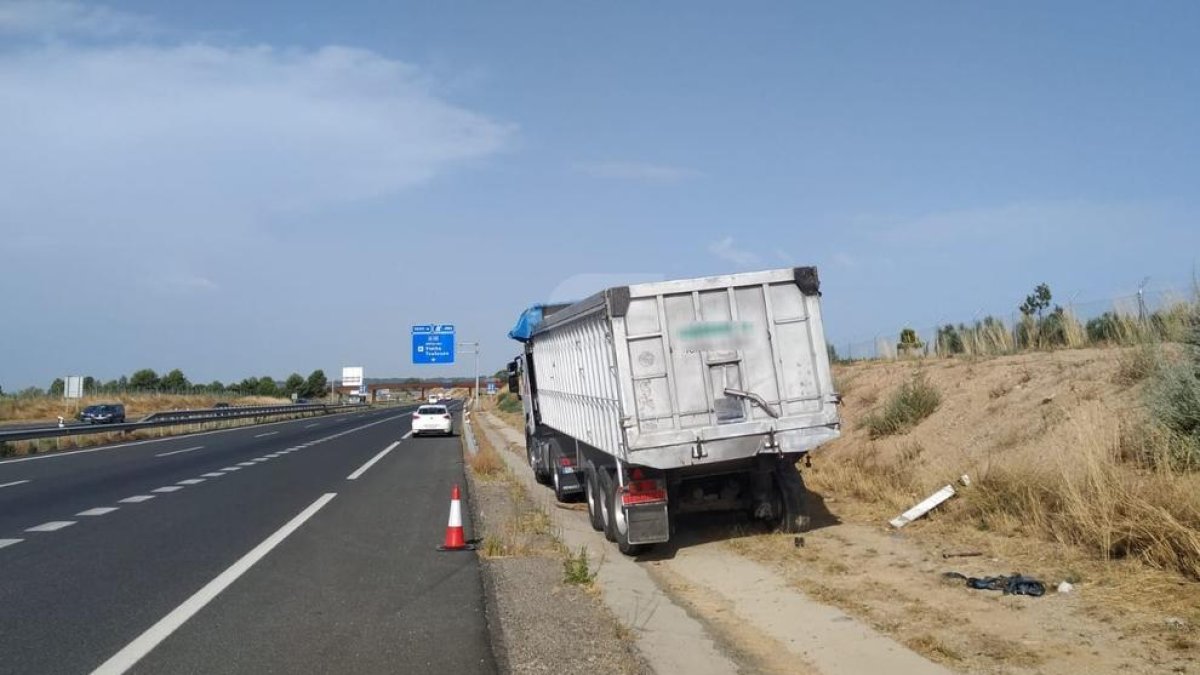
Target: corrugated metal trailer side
{"x":686,"y":372}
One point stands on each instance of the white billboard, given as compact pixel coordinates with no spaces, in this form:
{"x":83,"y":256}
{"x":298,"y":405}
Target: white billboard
{"x":73,"y":387}
{"x":352,"y":376}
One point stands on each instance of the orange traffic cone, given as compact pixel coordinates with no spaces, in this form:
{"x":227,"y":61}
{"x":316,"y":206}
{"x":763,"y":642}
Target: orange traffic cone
{"x":454,"y":529}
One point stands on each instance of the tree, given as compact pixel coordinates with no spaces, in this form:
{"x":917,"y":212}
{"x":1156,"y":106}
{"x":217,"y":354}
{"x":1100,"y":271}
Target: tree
{"x":909,"y":342}
{"x":267,"y":386}
{"x":89,"y":384}
{"x":830,"y":350}
{"x":294,"y":385}
{"x":174,"y":381}
{"x":144,"y":380}
{"x":1037,"y":302}
{"x":315,"y":385}
{"x":216,"y":387}
{"x":57,"y":387}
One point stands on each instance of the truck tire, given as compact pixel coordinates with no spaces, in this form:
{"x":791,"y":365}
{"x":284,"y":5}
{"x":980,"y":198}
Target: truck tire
{"x":615,"y":529}
{"x":604,"y":480}
{"x":540,"y":475}
{"x":593,"y":495}
{"x":559,"y":495}
{"x":793,"y":518}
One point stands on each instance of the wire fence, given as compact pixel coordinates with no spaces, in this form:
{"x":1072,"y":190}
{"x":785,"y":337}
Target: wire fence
{"x":1128,"y":319}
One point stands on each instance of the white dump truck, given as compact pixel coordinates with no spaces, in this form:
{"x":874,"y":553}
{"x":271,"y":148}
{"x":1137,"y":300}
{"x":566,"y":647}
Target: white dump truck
{"x":671,"y":397}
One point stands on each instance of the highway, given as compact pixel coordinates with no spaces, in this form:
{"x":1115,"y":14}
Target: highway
{"x":299,"y":546}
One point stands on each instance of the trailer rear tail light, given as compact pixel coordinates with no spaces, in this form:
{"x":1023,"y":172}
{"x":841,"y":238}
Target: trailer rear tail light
{"x":642,"y":490}
{"x":565,"y":461}
{"x":416,"y":416}
{"x":445,"y":417}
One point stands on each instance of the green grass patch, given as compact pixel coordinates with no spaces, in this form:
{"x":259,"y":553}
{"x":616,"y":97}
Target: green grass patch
{"x":912,"y":402}
{"x":576,"y":570}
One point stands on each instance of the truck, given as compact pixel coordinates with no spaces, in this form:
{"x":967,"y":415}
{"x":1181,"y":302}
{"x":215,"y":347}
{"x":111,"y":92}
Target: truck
{"x":693,"y":395}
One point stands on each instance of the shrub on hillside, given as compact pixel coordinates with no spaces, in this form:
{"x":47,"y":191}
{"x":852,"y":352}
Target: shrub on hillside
{"x":913,"y":401}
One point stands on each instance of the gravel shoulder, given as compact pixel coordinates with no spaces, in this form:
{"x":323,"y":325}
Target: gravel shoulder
{"x":539,"y":622}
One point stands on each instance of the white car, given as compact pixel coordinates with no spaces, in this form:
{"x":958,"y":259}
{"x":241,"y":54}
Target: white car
{"x":432,"y":419}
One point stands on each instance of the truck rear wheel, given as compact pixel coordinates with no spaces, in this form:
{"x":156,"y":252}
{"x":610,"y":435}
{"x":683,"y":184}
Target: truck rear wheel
{"x":539,"y":475}
{"x":592,"y":494}
{"x":615,"y":528}
{"x":605,"y":481}
{"x":793,"y":516}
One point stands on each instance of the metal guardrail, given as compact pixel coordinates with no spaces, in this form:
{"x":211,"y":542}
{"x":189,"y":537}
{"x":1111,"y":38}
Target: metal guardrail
{"x":176,"y":417}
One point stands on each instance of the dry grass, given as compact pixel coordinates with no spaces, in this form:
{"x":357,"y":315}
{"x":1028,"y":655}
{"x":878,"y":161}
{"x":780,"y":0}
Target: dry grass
{"x":48,"y":408}
{"x":486,"y":463}
{"x":934,"y":648}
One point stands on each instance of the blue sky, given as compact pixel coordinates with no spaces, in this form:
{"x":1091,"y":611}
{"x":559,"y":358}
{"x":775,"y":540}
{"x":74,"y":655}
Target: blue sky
{"x":259,"y":188}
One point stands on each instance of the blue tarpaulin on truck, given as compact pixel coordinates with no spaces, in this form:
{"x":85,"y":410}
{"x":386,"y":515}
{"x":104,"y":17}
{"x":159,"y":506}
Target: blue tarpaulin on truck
{"x":528,"y":322}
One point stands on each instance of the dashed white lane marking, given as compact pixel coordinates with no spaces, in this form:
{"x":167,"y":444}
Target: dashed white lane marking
{"x":190,"y":481}
{"x":309,"y":426}
{"x":363,"y":469}
{"x":9,"y":542}
{"x":98,"y":511}
{"x":273,"y":455}
{"x":232,"y":468}
{"x":15,"y":482}
{"x":168,"y":488}
{"x":144,"y":643}
{"x":269,"y":433}
{"x":245,"y":463}
{"x":51,"y":526}
{"x":261,"y":459}
{"x":178,"y":452}
{"x":212,"y":474}
{"x":136,"y":499}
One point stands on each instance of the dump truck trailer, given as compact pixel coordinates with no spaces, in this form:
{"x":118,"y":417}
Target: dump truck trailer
{"x":657,"y":399}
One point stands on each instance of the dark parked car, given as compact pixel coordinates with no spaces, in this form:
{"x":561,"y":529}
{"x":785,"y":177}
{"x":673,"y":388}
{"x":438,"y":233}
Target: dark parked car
{"x":103,"y":413}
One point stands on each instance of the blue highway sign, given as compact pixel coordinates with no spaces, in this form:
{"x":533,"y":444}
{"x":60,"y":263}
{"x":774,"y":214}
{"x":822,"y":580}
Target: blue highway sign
{"x":433,"y":343}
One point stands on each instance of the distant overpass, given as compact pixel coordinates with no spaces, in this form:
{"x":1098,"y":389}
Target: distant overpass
{"x":419,"y":389}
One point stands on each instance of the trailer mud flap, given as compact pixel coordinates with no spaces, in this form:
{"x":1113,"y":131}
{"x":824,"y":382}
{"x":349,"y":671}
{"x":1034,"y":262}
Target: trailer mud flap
{"x":648,"y":523}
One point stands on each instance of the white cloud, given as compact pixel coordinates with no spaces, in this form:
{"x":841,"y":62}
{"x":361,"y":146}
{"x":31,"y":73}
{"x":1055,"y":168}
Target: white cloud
{"x":56,"y":17}
{"x":153,"y":140}
{"x":725,"y":250}
{"x":636,"y":171}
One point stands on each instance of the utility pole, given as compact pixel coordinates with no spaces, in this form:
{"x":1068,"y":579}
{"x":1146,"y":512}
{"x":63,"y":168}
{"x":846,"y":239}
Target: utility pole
{"x":1142,"y":300}
{"x":475,"y":346}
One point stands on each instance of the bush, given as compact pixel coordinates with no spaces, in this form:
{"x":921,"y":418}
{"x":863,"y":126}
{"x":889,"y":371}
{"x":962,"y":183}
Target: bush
{"x":1173,"y":399}
{"x":575,"y":568}
{"x":913,"y":402}
{"x":509,"y":403}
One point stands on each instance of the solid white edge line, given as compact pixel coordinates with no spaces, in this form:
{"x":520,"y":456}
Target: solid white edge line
{"x":15,"y":482}
{"x":269,"y":433}
{"x":408,"y":435}
{"x":147,"y":641}
{"x":363,"y":469}
{"x":179,"y":452}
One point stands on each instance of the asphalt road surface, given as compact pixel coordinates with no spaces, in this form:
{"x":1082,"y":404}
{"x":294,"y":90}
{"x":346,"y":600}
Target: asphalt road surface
{"x":295,"y":547}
